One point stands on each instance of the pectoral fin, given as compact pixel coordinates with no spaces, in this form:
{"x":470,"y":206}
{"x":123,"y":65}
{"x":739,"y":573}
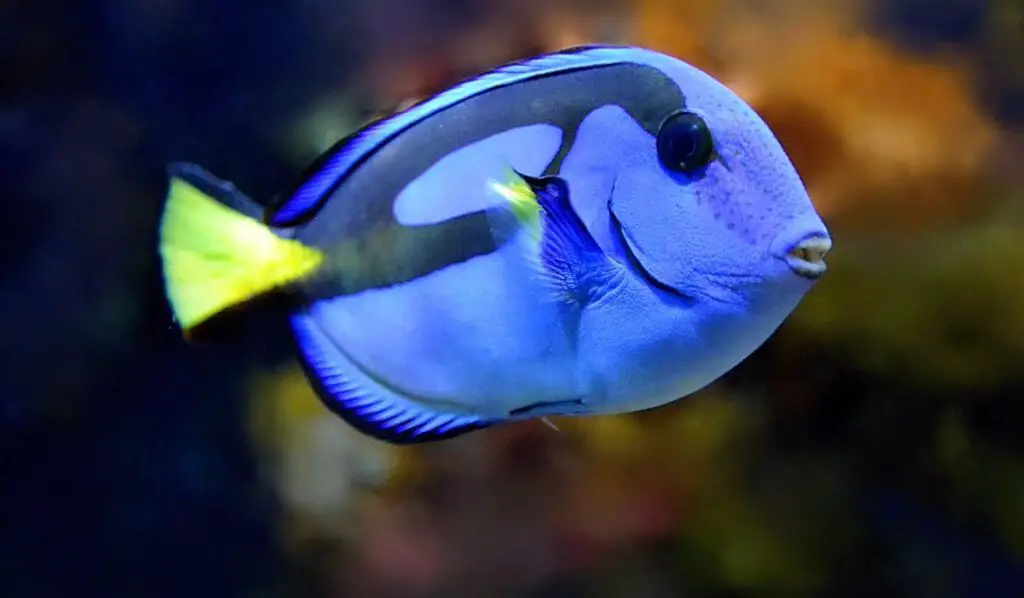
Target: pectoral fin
{"x":563,"y":252}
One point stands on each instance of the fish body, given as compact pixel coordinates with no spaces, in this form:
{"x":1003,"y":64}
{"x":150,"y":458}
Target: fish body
{"x":600,"y":230}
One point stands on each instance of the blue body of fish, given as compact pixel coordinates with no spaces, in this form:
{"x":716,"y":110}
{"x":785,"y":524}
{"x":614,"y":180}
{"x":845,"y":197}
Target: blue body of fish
{"x":674,"y":236}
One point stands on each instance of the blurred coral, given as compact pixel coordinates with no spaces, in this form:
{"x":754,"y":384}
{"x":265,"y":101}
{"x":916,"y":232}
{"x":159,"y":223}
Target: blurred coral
{"x":942,"y":310}
{"x":882,"y":138}
{"x":316,"y":461}
{"x":896,"y":152}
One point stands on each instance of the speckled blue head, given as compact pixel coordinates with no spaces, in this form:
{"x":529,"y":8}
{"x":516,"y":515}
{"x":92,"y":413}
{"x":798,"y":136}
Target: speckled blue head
{"x":736,"y":239}
{"x":727,"y":231}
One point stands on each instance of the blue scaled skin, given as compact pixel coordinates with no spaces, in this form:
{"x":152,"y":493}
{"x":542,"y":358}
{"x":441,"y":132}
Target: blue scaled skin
{"x":673,"y":237}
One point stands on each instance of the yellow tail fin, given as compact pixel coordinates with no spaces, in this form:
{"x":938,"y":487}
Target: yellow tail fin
{"x":215,"y":257}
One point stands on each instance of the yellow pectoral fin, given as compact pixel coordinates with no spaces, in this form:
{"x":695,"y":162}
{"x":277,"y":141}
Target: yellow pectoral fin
{"x":522,"y":201}
{"x":215,"y":258}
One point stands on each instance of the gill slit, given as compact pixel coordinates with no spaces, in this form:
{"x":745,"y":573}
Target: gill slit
{"x":634,"y":265}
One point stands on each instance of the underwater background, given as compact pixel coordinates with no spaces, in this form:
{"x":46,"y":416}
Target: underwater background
{"x":874,"y":447}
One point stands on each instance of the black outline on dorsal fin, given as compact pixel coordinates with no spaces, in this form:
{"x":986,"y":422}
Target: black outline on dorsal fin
{"x":303,"y":200}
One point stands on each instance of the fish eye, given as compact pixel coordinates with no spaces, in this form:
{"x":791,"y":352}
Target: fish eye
{"x":684,"y":142}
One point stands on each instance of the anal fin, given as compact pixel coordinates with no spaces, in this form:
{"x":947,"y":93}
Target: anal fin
{"x":366,"y":404}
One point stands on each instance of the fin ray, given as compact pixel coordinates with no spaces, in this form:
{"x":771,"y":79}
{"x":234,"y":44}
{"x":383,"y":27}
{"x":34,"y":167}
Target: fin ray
{"x":365,"y":404}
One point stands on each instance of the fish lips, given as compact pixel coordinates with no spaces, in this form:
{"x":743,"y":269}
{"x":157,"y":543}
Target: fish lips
{"x":803,"y":246}
{"x":806,"y":257}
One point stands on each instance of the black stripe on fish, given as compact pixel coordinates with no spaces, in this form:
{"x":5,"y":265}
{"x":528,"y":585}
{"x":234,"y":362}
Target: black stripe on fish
{"x":362,"y":207}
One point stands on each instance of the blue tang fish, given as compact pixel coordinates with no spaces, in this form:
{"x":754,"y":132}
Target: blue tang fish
{"x":594,"y":231}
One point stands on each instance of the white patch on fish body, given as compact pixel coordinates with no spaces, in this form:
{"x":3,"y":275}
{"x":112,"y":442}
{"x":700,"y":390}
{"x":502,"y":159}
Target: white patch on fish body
{"x":457,"y":184}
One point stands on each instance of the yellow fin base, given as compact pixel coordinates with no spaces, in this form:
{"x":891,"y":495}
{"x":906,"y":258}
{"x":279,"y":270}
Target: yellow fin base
{"x":215,"y":258}
{"x":521,"y":200}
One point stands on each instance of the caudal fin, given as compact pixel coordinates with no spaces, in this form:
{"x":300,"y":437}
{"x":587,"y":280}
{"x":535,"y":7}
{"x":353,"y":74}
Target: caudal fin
{"x":215,"y":257}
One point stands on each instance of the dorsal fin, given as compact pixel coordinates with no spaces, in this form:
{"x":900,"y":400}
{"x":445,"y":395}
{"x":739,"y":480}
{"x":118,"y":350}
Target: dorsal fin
{"x":305,"y":198}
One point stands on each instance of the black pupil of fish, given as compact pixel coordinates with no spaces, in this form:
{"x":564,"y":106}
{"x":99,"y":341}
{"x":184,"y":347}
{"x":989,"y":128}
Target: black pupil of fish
{"x":684,"y":142}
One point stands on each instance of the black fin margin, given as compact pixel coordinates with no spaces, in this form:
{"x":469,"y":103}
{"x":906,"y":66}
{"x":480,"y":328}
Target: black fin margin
{"x":221,"y":190}
{"x":346,"y":399}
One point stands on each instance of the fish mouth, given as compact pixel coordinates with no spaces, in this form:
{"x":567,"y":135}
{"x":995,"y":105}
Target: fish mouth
{"x":806,"y":258}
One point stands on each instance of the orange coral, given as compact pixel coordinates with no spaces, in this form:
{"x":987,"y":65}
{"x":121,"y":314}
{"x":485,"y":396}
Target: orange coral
{"x":874,"y":132}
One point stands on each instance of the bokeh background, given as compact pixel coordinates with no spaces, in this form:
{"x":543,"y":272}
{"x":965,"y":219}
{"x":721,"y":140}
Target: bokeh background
{"x":873,"y":448}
